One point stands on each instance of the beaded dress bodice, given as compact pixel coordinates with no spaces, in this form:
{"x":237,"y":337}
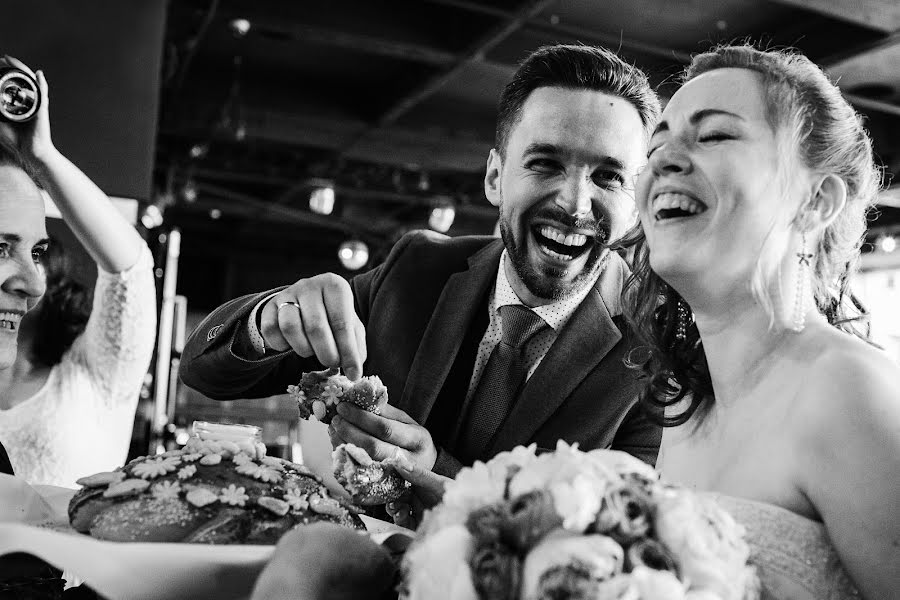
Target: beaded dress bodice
{"x":793,"y":554}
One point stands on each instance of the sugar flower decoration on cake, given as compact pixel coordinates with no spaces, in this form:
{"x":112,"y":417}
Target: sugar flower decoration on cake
{"x":296,"y":392}
{"x":166,"y":490}
{"x":575,"y":525}
{"x":187,"y":471}
{"x":331,"y":393}
{"x":265,"y":473}
{"x":241,"y":459}
{"x":156,"y":467}
{"x":296,"y":499}
{"x":233,"y":495}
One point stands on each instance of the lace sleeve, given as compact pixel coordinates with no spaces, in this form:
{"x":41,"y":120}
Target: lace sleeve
{"x":117,"y":344}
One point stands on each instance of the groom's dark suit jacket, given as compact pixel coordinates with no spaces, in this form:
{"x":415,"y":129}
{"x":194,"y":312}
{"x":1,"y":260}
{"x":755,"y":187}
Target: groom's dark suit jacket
{"x":425,"y":311}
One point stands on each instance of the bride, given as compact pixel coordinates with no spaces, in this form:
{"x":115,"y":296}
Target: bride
{"x":753,"y":209}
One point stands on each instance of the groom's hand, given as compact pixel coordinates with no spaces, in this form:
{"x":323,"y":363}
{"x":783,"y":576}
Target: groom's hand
{"x":381,"y":435}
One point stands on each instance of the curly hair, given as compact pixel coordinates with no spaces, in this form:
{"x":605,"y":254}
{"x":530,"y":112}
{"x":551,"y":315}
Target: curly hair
{"x":823,"y":133}
{"x":60,"y":318}
{"x":63,"y":312}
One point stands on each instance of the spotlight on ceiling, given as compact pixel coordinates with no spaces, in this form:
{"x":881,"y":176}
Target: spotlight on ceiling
{"x":189,"y":191}
{"x":442,"y":215}
{"x":239,"y":27}
{"x":353,"y":254}
{"x":321,"y":200}
{"x":240,"y":131}
{"x":424,"y":183}
{"x":887,"y":244}
{"x":198,"y":150}
{"x":152,"y":216}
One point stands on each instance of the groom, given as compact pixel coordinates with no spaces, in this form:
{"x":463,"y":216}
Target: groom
{"x":483,"y":344}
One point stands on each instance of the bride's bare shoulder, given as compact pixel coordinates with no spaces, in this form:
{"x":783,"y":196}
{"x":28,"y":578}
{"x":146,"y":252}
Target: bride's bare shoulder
{"x":850,"y":385}
{"x":845,"y":360}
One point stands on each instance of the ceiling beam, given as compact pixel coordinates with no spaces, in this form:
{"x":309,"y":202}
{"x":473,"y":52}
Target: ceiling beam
{"x":445,"y":149}
{"x":366,"y":44}
{"x":475,"y":52}
{"x":890,"y":197}
{"x":255,"y":206}
{"x":875,"y":105}
{"x":583,"y":34}
{"x":864,"y":48}
{"x":880,"y":15}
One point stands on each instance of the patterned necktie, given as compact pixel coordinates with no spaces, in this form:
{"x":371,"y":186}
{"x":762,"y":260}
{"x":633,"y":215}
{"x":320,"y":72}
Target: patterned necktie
{"x":502,"y":380}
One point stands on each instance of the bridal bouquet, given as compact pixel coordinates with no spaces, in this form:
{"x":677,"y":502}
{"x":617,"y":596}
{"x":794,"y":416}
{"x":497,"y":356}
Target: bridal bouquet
{"x":573,"y":525}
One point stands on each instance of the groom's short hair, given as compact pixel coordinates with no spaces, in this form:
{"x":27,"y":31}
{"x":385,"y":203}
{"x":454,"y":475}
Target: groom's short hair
{"x":574,"y":67}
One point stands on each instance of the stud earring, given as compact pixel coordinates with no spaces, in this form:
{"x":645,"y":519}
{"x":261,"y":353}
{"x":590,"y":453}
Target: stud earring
{"x":804,"y":264}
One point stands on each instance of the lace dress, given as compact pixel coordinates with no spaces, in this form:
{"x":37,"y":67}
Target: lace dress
{"x":793,"y":554}
{"x":81,"y":420}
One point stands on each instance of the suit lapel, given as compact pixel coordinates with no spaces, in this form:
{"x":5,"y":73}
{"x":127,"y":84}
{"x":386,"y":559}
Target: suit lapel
{"x":585,"y":340}
{"x":452,"y":316}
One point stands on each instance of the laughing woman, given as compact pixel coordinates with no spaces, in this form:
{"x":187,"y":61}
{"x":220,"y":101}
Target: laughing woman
{"x":753,"y":210}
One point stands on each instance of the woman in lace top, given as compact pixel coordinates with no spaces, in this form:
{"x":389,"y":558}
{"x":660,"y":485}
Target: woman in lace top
{"x":62,"y":421}
{"x":753,"y":209}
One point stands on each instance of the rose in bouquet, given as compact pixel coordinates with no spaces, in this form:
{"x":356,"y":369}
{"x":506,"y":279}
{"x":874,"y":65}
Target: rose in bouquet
{"x":575,"y":525}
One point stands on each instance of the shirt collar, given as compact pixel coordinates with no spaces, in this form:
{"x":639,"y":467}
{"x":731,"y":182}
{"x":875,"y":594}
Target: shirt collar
{"x":556,"y":314}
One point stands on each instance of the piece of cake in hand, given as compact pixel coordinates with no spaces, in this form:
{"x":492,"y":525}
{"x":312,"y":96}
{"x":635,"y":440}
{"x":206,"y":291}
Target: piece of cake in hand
{"x":220,"y":488}
{"x":319,"y":393}
{"x":369,"y":482}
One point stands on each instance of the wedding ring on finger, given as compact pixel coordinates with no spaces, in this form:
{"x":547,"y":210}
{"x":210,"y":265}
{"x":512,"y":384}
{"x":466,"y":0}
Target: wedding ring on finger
{"x":289,"y":303}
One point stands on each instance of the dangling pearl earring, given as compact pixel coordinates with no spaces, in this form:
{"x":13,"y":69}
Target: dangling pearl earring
{"x":802,"y":281}
{"x":681,"y":313}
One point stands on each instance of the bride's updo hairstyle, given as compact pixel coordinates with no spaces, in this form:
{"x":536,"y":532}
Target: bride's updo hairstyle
{"x":815,"y":127}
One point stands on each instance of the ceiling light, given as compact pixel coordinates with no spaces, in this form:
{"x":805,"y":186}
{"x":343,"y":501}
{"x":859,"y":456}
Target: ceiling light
{"x":240,"y":131}
{"x":424,"y":182}
{"x":152,"y":217}
{"x":239,"y":27}
{"x":442,"y":216}
{"x":198,"y":150}
{"x":215,"y":214}
{"x":353,"y":254}
{"x":321,"y":200}
{"x":189,"y":191}
{"x":887,"y":244}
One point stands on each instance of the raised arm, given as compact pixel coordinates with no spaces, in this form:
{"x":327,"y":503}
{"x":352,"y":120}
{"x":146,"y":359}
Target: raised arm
{"x":110,"y":240}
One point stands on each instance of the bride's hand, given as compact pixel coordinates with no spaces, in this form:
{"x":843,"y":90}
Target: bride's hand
{"x":427,"y":491}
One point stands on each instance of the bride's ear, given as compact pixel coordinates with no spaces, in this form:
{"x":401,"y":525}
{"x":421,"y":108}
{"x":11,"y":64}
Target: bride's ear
{"x":828,"y":196}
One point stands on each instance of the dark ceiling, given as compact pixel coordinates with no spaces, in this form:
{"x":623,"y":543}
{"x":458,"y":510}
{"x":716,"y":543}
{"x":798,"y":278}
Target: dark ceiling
{"x":394,"y":102}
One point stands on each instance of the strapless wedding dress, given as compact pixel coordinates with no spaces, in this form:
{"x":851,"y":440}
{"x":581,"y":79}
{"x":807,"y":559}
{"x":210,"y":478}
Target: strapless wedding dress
{"x":793,"y":554}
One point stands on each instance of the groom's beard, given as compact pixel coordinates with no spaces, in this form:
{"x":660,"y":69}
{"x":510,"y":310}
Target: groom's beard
{"x":548,"y":282}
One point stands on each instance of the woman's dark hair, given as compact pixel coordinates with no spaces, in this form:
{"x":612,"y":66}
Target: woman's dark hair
{"x":10,"y":155}
{"x":61,"y":317}
{"x":827,"y":136}
{"x":574,"y":67}
{"x":63,"y":312}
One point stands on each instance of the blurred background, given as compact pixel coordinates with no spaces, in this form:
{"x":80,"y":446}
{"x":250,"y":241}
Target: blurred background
{"x":257,"y":142}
